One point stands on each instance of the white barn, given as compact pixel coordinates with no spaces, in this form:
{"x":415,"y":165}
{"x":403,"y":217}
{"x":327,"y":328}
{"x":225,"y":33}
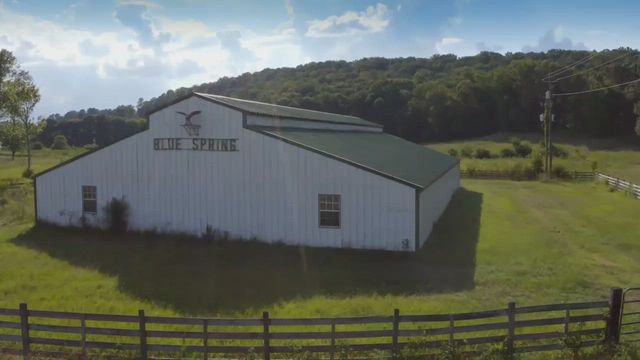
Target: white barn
{"x":261,"y":171}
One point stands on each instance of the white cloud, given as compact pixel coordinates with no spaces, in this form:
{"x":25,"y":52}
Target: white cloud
{"x":288,"y":5}
{"x":554,"y":39}
{"x":445,"y":44}
{"x":142,"y":56}
{"x":373,"y":20}
{"x":455,"y":20}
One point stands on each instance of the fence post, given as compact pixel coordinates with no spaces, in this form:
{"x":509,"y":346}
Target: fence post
{"x":83,"y":335}
{"x":567,"y":318}
{"x":24,"y":326}
{"x":265,"y":328}
{"x":394,"y":337}
{"x":511,"y":313}
{"x":451,"y":329}
{"x":333,"y":338}
{"x":615,"y":315}
{"x":143,"y":334}
{"x":205,"y":339}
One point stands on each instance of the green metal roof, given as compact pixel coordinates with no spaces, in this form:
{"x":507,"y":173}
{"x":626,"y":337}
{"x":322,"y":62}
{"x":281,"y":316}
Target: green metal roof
{"x":378,"y":152}
{"x":259,"y":108}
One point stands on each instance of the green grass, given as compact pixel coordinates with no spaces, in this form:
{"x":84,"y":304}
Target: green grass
{"x":531,"y":242}
{"x":42,"y":159}
{"x":620,"y":158}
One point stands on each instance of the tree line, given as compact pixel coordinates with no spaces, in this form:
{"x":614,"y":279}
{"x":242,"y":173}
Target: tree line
{"x":443,"y":97}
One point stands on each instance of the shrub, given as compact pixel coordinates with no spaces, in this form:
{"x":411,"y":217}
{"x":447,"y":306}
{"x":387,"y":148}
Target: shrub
{"x":27,"y":173}
{"x":523,"y":150}
{"x":515,"y":141}
{"x":453,"y":152}
{"x":59,"y":143}
{"x":560,"y":172}
{"x":482,"y":153}
{"x":91,"y":146}
{"x":466,"y":152}
{"x":537,"y":165}
{"x":117,"y":211}
{"x":507,"y":153}
{"x":557,"y":151}
{"x":37,"y":145}
{"x":594,"y":166}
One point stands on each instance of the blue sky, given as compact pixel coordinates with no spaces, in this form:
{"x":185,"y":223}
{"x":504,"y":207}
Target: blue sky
{"x":90,"y":53}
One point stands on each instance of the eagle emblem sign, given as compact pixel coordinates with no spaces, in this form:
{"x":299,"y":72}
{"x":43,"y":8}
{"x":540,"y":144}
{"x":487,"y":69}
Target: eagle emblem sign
{"x":191,"y":128}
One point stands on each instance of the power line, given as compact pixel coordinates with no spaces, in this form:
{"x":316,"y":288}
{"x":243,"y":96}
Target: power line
{"x":568,"y":67}
{"x":593,"y":67}
{"x":599,"y":89}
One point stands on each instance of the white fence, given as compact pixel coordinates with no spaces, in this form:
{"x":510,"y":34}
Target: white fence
{"x":620,"y":184}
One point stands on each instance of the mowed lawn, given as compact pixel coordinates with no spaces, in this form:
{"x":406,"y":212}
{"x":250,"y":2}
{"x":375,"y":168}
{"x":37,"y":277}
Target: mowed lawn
{"x":531,"y":242}
{"x":615,"y":157}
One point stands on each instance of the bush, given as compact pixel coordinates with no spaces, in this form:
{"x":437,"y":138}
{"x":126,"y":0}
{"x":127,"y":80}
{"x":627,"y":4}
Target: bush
{"x":507,"y":153}
{"x":453,"y":152}
{"x":37,"y":145}
{"x":27,"y":173}
{"x":515,"y":141}
{"x":537,"y":165}
{"x":594,"y":166}
{"x":466,"y":152}
{"x":559,"y":152}
{"x":523,"y":150}
{"x":482,"y":153}
{"x":560,"y":172}
{"x":117,"y":211}
{"x":92,"y":146}
{"x":59,"y":143}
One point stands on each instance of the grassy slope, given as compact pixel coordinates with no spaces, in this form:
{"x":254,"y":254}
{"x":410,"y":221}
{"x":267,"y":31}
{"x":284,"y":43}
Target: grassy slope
{"x":529,"y":241}
{"x":614,"y":158}
{"x":41,"y":160}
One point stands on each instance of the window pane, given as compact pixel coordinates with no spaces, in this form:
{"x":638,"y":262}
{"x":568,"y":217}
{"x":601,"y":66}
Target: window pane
{"x":330,"y":219}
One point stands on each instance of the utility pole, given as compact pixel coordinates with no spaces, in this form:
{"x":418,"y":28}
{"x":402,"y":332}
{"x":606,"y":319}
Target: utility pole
{"x":547,"y":134}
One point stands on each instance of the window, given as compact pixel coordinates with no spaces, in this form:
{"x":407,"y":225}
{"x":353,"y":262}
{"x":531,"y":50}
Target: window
{"x":329,"y":210}
{"x":89,"y":199}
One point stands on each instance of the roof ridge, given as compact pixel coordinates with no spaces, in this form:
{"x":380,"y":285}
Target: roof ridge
{"x":275,"y":105}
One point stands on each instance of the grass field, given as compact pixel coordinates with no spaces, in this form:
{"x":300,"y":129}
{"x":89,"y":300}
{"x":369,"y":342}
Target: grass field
{"x":41,"y":160}
{"x":620,"y":158}
{"x":530,"y":242}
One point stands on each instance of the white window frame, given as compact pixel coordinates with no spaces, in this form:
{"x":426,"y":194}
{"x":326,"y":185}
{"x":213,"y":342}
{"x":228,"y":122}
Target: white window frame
{"x":89,"y":193}
{"x":329,"y":203}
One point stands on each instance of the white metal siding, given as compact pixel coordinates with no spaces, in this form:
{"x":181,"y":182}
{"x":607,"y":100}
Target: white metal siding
{"x":434,"y":200}
{"x":268,"y":189}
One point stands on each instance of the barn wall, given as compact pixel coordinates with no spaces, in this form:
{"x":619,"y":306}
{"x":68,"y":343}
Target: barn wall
{"x":268,"y":189}
{"x":434,"y":200}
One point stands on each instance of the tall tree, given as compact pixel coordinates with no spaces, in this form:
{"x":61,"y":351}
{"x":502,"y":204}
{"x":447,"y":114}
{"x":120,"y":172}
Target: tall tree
{"x":22,"y":96}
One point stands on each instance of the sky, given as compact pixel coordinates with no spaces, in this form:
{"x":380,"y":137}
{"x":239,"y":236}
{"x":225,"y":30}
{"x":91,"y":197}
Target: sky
{"x":99,"y":53}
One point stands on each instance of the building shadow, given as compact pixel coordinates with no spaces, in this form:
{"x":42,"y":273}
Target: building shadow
{"x":196,"y":276}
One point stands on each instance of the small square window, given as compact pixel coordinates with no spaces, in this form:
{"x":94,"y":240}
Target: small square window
{"x":329,"y":207}
{"x":89,"y":199}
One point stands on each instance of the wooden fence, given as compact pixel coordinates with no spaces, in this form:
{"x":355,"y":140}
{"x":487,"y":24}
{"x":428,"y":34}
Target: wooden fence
{"x":518,"y":329}
{"x":521,"y":175}
{"x":620,"y":184}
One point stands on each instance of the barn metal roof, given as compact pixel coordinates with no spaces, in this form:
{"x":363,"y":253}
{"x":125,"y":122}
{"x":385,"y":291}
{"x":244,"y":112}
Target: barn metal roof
{"x":378,"y":152}
{"x":260,"y":108}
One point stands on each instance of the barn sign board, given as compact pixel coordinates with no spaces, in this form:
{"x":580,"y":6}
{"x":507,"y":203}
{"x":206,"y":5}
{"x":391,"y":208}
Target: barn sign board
{"x":195,"y":144}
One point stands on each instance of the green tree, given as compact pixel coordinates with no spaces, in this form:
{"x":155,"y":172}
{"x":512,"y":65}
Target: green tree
{"x":12,"y":137}
{"x":22,"y":95}
{"x":59,"y":143}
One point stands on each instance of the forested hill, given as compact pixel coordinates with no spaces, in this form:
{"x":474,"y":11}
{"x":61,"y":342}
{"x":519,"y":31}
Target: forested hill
{"x":446,"y":97}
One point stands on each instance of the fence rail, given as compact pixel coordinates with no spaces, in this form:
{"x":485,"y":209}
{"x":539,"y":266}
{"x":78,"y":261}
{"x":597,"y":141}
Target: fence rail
{"x":520,"y":329}
{"x":620,"y":184}
{"x":521,"y":175}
